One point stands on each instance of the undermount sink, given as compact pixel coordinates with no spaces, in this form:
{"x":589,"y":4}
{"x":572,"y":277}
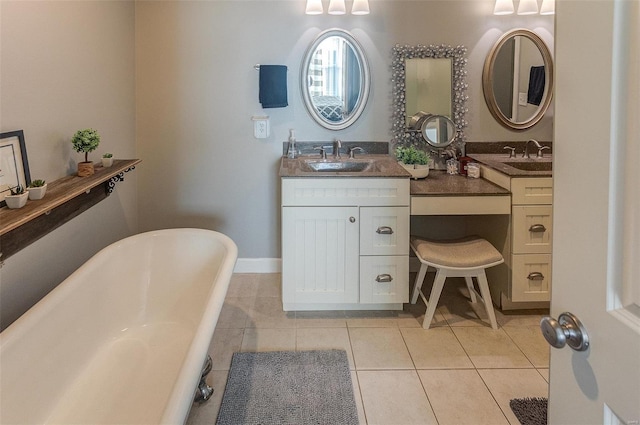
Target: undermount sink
{"x":338,"y":166}
{"x":531,"y":166}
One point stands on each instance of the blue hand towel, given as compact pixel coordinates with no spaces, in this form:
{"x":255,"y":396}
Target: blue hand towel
{"x":273,"y":86}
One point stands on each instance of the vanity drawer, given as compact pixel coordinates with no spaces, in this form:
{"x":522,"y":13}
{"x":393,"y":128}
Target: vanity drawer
{"x":532,"y":190}
{"x":331,"y":191}
{"x":384,"y":279}
{"x":384,"y":231}
{"x":532,"y":229}
{"x":531,"y":277}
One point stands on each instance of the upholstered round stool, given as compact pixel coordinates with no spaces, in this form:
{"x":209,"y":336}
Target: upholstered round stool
{"x":467,"y":257}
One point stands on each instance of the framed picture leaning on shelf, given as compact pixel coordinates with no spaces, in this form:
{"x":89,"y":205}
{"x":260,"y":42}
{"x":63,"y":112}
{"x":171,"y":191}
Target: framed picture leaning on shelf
{"x":14,"y":165}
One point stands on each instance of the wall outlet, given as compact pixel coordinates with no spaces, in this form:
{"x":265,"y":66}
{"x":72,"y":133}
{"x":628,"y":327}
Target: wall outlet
{"x":260,"y":126}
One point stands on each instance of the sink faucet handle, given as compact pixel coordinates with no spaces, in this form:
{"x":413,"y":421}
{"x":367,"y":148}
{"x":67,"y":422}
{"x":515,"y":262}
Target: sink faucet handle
{"x":352,"y":150}
{"x":512,"y":154}
{"x":337,"y":144}
{"x":540,"y":153}
{"x":323,"y":152}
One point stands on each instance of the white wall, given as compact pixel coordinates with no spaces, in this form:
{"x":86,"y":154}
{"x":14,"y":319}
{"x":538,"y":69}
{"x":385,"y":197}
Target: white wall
{"x":196,"y":90}
{"x":66,"y":66}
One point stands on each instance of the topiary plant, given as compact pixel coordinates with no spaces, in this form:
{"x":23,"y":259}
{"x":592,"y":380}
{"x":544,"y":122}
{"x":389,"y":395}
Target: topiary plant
{"x":86,"y":140}
{"x":411,"y":155}
{"x":107,"y":155}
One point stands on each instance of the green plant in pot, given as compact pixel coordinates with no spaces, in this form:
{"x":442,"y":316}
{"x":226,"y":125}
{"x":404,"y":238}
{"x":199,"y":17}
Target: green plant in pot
{"x":107,"y":159}
{"x":18,"y":197}
{"x":37,"y":188}
{"x":85,"y":141}
{"x":414,"y":160}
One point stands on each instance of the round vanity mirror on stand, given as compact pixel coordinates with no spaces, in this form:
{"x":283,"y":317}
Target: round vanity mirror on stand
{"x":335,"y":79}
{"x":437,"y":130}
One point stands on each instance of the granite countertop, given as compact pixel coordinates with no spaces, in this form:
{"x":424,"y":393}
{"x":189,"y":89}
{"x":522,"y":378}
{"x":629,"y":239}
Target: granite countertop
{"x":516,"y":167}
{"x":439,"y":183}
{"x":383,"y":165}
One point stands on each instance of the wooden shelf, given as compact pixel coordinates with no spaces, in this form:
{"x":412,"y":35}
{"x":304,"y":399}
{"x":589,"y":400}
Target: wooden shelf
{"x":65,"y":199}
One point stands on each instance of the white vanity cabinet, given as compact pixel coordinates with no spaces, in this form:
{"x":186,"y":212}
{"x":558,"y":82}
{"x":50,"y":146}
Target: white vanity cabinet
{"x":345,"y":243}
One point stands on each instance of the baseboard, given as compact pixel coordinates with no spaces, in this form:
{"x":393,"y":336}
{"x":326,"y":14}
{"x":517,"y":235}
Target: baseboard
{"x":258,"y":265}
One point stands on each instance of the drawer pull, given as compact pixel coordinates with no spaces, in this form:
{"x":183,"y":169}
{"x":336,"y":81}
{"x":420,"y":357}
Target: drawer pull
{"x":384,"y":230}
{"x":384,"y":278}
{"x":538,"y":228}
{"x":535,"y":276}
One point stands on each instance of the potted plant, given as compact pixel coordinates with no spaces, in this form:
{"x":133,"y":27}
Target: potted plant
{"x":86,"y":140}
{"x":414,"y":160}
{"x":18,"y":197}
{"x":107,"y":160}
{"x":37,"y":189}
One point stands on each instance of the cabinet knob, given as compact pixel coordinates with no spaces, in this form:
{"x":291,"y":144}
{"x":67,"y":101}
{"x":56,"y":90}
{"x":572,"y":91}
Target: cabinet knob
{"x":384,"y":278}
{"x":352,"y":219}
{"x":384,"y":230}
{"x":538,"y":228}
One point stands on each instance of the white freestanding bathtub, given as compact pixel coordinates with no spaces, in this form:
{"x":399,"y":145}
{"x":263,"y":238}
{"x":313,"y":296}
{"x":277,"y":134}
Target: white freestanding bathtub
{"x":123,"y":339}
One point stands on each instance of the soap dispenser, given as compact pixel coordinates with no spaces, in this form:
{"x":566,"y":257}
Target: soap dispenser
{"x":291,"y":151}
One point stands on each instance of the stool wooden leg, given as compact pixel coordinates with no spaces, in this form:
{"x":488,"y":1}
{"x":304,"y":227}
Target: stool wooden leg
{"x":438,"y":284}
{"x":486,"y":298}
{"x":418,"y":283}
{"x":472,"y":292}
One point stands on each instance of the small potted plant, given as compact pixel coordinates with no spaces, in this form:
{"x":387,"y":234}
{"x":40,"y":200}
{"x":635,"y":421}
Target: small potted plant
{"x":107,"y":159}
{"x":18,"y":197}
{"x":414,"y":160}
{"x":86,"y":140}
{"x":37,"y":189}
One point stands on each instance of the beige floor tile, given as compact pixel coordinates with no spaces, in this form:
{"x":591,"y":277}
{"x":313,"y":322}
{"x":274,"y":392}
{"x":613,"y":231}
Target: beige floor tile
{"x":544,"y":372}
{"x":373,"y":322}
{"x":362,"y":419}
{"x":460,"y":397}
{"x":324,"y":339}
{"x":235,"y":312}
{"x":417,"y":311}
{"x":379,"y":348}
{"x":269,"y":285}
{"x":267,"y":312}
{"x":531,"y":342}
{"x":459,"y":311}
{"x":394,"y":397}
{"x":207,"y":412}
{"x":488,"y":348}
{"x":321,"y":319}
{"x":505,"y":384}
{"x":520,"y":317}
{"x":259,"y":339}
{"x":436,"y":348}
{"x":224,"y":343}
{"x":243,"y":285}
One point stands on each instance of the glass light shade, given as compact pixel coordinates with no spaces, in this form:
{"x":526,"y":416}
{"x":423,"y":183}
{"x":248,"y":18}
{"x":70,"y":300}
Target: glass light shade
{"x":337,"y":7}
{"x":314,"y":7}
{"x":528,"y":7}
{"x":360,"y":7}
{"x":548,"y":7}
{"x":503,"y":7}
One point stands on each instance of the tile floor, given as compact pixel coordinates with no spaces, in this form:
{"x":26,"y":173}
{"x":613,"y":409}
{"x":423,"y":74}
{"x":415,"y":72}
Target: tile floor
{"x":458,"y":372}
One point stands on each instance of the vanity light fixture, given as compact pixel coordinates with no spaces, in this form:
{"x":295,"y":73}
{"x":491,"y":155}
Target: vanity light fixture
{"x":503,"y":7}
{"x":360,"y":7}
{"x":548,"y":7}
{"x":337,"y":7}
{"x":314,"y":7}
{"x":528,"y":7}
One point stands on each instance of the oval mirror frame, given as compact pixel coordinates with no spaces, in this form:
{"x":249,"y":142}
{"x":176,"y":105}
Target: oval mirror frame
{"x":488,"y":80}
{"x":365,"y":80}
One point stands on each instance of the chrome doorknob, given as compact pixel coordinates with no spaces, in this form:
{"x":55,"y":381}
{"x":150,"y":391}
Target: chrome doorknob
{"x":567,"y":330}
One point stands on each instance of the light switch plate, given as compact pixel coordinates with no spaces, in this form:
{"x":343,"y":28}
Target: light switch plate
{"x":522,"y":99}
{"x":260,"y":126}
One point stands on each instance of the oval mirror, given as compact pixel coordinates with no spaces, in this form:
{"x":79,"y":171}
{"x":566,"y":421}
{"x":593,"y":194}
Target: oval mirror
{"x":517,"y":79}
{"x":438,"y":131}
{"x":335,"y":79}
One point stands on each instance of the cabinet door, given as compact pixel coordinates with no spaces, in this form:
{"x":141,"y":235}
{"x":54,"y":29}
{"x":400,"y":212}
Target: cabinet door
{"x":320,"y":254}
{"x":384,"y":279}
{"x":531,"y":277}
{"x":532,"y":229}
{"x":384,"y":231}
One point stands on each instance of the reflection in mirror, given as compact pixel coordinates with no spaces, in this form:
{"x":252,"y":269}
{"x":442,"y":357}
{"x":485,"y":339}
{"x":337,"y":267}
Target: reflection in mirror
{"x":428,"y":86}
{"x":439,"y":131}
{"x":518,"y":79}
{"x":443,"y":71}
{"x":335,"y":79}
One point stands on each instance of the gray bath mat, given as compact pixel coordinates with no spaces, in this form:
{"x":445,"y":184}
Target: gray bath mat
{"x":286,"y":387}
{"x":530,"y":410}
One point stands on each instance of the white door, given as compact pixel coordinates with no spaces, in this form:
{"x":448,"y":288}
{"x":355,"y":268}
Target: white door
{"x":596,"y":241}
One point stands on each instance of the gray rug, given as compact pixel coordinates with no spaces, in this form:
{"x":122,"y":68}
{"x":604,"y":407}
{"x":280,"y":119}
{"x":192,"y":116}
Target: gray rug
{"x":530,"y":410}
{"x":286,"y":387}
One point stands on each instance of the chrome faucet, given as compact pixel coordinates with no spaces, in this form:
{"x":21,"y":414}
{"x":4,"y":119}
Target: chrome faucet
{"x":323,"y":152}
{"x":337,"y":144}
{"x":352,"y":150}
{"x":525,"y":154}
